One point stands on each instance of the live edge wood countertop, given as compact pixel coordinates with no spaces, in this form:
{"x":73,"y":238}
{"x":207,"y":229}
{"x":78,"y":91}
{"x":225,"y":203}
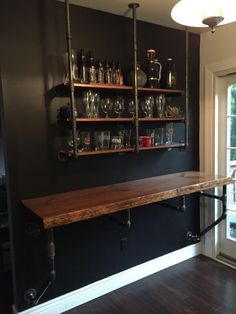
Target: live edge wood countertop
{"x":64,"y":208}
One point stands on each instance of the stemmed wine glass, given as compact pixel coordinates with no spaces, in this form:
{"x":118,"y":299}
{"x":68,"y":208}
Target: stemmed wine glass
{"x":147,"y":106}
{"x":131,"y":107}
{"x":119,"y":105}
{"x":106,"y":106}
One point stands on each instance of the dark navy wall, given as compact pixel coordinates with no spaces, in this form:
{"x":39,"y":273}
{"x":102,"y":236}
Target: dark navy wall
{"x":32,"y":48}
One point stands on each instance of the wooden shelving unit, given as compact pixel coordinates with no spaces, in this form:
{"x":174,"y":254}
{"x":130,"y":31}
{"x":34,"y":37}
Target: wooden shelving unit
{"x":164,"y":119}
{"x":129,"y":88}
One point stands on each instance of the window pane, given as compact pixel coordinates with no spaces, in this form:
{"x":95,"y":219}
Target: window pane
{"x":233,"y":99}
{"x":232,"y":153}
{"x":231,"y":232}
{"x":233,"y":133}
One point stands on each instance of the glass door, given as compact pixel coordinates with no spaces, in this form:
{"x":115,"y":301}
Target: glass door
{"x":225,"y":144}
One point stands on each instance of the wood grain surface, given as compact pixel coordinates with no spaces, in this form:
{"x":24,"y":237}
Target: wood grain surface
{"x":64,"y":208}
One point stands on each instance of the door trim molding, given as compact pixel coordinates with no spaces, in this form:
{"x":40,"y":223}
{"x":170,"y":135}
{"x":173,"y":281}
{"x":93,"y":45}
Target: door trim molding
{"x":209,"y":72}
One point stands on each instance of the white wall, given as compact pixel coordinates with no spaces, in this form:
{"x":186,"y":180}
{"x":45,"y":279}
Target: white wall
{"x":218,"y":46}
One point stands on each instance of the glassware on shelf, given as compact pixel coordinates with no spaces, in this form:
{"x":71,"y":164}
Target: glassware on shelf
{"x":170,"y":74}
{"x":119,"y":105}
{"x":106,"y":139}
{"x":151,"y":133}
{"x":131,"y":107}
{"x":169,"y":133}
{"x":108,"y":76}
{"x":127,"y":138}
{"x":147,"y":106}
{"x":160,"y":136}
{"x":154,"y":69}
{"x":160,"y":105}
{"x":98,"y":140}
{"x":141,"y":77}
{"x":92,"y":72}
{"x":100,"y":72}
{"x":106,"y":105}
{"x":83,"y":71}
{"x":115,"y":142}
{"x":91,"y":101}
{"x":85,"y":141}
{"x":74,"y":66}
{"x":69,"y":138}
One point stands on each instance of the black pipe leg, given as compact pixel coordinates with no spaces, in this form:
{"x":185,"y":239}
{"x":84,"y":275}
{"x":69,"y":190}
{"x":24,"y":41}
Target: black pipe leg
{"x":32,"y":296}
{"x":191,"y":238}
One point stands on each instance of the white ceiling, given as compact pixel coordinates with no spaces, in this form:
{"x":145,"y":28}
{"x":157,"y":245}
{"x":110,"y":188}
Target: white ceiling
{"x":153,"y":11}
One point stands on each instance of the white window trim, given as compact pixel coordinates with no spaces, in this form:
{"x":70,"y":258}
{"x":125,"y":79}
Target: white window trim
{"x":207,"y":138}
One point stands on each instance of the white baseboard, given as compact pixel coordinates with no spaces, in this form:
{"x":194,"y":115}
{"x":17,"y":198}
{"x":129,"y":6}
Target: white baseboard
{"x":104,"y":286}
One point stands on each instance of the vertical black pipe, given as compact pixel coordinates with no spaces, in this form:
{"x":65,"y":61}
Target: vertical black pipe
{"x":71,"y":81}
{"x":186,"y":87}
{"x":134,"y":6}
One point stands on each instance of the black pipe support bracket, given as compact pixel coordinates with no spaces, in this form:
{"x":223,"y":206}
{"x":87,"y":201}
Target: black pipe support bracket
{"x":32,"y":296}
{"x":181,"y":208}
{"x":126,"y":222}
{"x":191,"y":238}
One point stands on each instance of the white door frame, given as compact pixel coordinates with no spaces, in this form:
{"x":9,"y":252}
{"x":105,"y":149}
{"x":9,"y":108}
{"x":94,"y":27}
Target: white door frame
{"x":207,"y":139}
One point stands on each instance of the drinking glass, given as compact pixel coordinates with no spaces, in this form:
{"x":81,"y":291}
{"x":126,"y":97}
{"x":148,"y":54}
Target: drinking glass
{"x":98,"y":139}
{"x":160,"y":105}
{"x":106,"y":139}
{"x":151,"y":133}
{"x":169,"y":133}
{"x":127,"y":138}
{"x":74,"y":66}
{"x":115,"y":142}
{"x":106,"y":106}
{"x":85,"y":140}
{"x":160,"y":132}
{"x":119,"y":105}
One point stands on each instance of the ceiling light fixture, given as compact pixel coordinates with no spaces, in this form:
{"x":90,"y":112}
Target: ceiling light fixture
{"x":203,"y":13}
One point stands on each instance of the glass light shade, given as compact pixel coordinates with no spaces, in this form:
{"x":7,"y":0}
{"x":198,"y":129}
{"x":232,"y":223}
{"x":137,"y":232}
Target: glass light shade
{"x":193,"y":12}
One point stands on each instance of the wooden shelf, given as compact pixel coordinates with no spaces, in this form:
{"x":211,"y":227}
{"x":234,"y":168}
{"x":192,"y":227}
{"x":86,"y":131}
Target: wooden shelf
{"x":164,"y":146}
{"x":104,"y":119}
{"x":103,"y":86}
{"x":69,"y":153}
{"x":65,"y":208}
{"x":125,"y":87}
{"x":179,"y":119}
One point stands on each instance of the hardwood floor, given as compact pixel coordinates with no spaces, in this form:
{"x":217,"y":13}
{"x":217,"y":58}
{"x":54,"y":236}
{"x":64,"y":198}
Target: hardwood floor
{"x":198,"y":285}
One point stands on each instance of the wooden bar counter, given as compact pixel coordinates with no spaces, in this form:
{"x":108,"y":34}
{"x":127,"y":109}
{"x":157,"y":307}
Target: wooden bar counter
{"x":60,"y":209}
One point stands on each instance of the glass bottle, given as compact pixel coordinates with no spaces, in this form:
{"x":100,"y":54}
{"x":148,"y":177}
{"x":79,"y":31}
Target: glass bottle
{"x":107,"y":73}
{"x":83,"y":73}
{"x":113,"y":72}
{"x":100,"y":72}
{"x":157,"y":73}
{"x":92,"y":73}
{"x":141,"y":77}
{"x":170,"y":74}
{"x":151,"y":55}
